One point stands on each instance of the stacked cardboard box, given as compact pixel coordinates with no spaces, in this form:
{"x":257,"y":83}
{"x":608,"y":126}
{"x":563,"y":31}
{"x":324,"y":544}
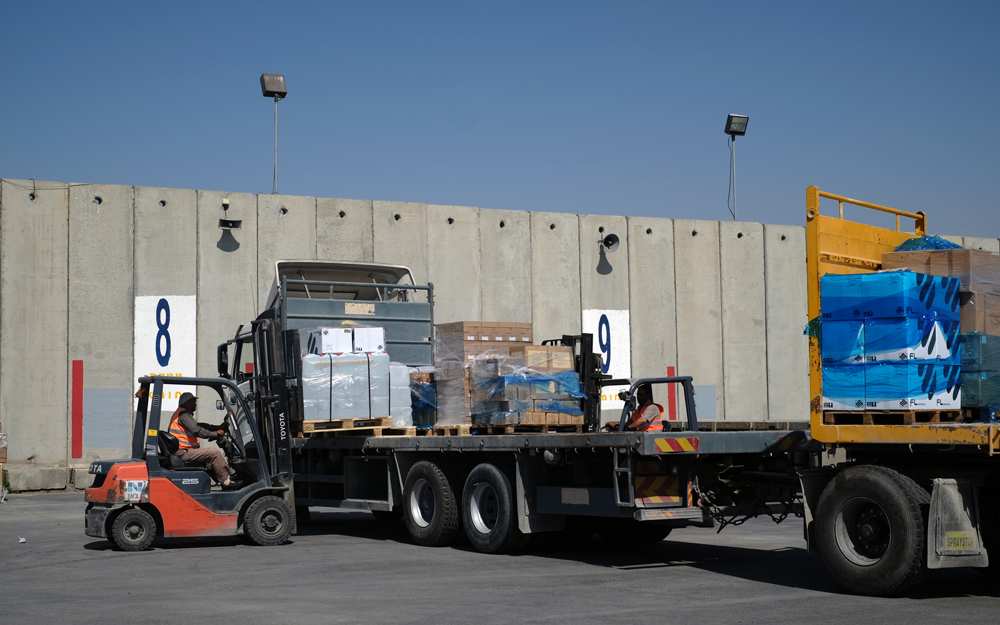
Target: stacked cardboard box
{"x":889,"y":341}
{"x":456,"y":345}
{"x":978,"y":273}
{"x":534,"y":385}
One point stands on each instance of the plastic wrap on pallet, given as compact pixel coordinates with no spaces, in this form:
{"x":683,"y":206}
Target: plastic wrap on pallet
{"x":898,"y":293}
{"x":980,"y":389}
{"x":504,"y":389}
{"x":345,"y":386}
{"x":400,"y":402}
{"x":925,"y":243}
{"x":892,"y":386}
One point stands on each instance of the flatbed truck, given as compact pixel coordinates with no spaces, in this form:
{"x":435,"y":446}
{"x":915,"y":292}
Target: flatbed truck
{"x":880,"y":502}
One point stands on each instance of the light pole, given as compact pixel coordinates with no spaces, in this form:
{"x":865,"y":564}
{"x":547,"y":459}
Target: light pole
{"x":736,"y":126}
{"x":273,"y":86}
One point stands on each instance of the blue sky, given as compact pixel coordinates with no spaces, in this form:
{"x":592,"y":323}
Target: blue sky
{"x":612,"y":107}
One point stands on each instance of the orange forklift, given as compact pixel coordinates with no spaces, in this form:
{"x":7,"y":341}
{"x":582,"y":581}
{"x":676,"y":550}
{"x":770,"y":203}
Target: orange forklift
{"x":153,"y":494}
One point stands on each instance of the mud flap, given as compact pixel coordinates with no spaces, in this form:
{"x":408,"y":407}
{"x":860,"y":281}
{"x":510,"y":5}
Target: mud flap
{"x":954,"y":538}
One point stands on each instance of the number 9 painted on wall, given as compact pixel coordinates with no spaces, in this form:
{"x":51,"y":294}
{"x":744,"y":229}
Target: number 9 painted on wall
{"x":604,"y":342}
{"x":163,"y":333}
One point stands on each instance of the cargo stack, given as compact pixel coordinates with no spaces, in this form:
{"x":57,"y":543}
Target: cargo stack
{"x":533,"y":385}
{"x":456,"y":346}
{"x":890,"y":341}
{"x":978,"y":273}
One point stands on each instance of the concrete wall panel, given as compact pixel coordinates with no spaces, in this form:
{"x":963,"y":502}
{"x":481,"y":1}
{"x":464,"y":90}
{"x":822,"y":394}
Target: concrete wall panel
{"x":453,"y":261}
{"x":286,"y":230}
{"x":603,"y":273}
{"x":166,"y":248}
{"x":505,"y":261}
{"x":555,"y":275}
{"x":33,"y":273}
{"x":400,"y":236}
{"x":652,"y":299}
{"x":344,"y":229}
{"x":744,"y":336}
{"x":227,"y":272}
{"x":100,"y":314}
{"x":982,"y":243}
{"x":699,"y":316}
{"x":787,"y":315}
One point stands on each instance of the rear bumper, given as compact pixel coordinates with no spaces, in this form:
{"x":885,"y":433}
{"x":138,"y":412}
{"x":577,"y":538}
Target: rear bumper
{"x":95,"y":520}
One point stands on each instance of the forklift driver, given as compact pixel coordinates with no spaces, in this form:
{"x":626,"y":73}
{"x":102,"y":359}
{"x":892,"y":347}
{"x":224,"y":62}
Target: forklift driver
{"x":648,"y":416}
{"x":187,"y":431}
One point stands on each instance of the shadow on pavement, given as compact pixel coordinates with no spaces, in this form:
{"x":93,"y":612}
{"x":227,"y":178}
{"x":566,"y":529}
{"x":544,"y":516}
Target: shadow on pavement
{"x":791,"y":567}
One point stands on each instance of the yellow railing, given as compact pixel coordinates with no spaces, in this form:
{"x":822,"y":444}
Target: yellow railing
{"x":835,"y":244}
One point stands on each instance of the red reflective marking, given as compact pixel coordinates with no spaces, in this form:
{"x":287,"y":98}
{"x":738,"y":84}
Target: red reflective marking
{"x":671,"y":396}
{"x":248,"y":367}
{"x":76,"y":416}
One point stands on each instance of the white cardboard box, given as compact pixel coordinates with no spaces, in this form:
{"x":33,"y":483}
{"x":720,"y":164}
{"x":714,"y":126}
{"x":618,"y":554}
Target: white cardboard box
{"x":336,"y":341}
{"x":370,"y":340}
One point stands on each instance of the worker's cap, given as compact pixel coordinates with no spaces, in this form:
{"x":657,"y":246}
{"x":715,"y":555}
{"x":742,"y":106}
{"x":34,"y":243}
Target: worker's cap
{"x":187,"y":400}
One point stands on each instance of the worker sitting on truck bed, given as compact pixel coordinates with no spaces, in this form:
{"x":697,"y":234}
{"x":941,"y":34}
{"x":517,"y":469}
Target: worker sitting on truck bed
{"x":187,"y":431}
{"x":648,"y":415}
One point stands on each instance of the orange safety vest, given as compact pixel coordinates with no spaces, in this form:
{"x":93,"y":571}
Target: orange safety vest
{"x":185,"y":439}
{"x":655,"y":425}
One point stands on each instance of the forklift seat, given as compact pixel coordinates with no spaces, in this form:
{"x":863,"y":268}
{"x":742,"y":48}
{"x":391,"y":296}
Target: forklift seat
{"x":168,"y":445}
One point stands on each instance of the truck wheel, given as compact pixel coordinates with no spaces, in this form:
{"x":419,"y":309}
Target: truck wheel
{"x":133,"y":529}
{"x":268,"y":521}
{"x":870,"y":530}
{"x":429,"y":508}
{"x":488,"y":511}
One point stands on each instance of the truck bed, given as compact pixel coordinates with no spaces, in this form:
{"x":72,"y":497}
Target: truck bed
{"x":645,"y":443}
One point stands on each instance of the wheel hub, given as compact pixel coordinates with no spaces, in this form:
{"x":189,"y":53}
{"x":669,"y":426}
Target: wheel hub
{"x":484,"y":507}
{"x":862,"y":531}
{"x":421,"y":503}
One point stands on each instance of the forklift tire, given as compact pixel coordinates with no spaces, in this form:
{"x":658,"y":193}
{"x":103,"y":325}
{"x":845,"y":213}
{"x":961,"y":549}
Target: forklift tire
{"x":871,"y":530}
{"x":430,"y":511}
{"x":133,"y":529}
{"x":488,"y":511}
{"x":268,"y":521}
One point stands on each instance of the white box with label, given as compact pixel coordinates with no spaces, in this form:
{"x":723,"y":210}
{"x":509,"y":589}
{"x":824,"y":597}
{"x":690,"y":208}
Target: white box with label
{"x":370,"y":340}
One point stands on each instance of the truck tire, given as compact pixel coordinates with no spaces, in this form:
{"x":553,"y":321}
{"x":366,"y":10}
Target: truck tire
{"x":430,"y":511}
{"x":488,"y":511}
{"x":133,"y":529}
{"x":268,"y":521}
{"x":871,"y":530}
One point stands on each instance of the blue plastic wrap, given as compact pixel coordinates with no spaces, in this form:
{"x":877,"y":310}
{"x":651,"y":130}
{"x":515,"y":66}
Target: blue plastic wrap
{"x":891,"y":386}
{"x":888,"y":294}
{"x":930,"y":242}
{"x":902,"y":339}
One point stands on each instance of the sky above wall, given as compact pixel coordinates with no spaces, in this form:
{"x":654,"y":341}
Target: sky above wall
{"x":613,"y":107}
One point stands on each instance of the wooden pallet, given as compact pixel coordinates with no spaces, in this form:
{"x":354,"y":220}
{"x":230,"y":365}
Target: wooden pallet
{"x":521,"y":428}
{"x":364,"y":431}
{"x":459,"y":429}
{"x":890,"y":417}
{"x":345,"y":424}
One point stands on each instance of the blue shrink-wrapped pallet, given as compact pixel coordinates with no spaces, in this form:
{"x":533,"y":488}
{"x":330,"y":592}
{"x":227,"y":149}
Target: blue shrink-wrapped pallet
{"x":842,"y":342}
{"x":908,"y":339}
{"x":888,"y":294}
{"x":844,"y":387}
{"x":912,"y":386}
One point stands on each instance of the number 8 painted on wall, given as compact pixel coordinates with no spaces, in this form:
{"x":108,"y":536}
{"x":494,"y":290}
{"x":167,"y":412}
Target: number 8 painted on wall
{"x":604,"y":342}
{"x":163,"y":335}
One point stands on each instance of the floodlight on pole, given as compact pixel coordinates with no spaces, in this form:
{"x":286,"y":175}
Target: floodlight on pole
{"x":273,"y":86}
{"x":736,"y":126}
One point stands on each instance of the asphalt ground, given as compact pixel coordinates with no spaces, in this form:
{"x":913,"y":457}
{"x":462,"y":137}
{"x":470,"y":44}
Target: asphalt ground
{"x":349,"y":568}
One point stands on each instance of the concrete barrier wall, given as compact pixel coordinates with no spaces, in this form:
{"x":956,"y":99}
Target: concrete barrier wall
{"x":724,"y":302}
